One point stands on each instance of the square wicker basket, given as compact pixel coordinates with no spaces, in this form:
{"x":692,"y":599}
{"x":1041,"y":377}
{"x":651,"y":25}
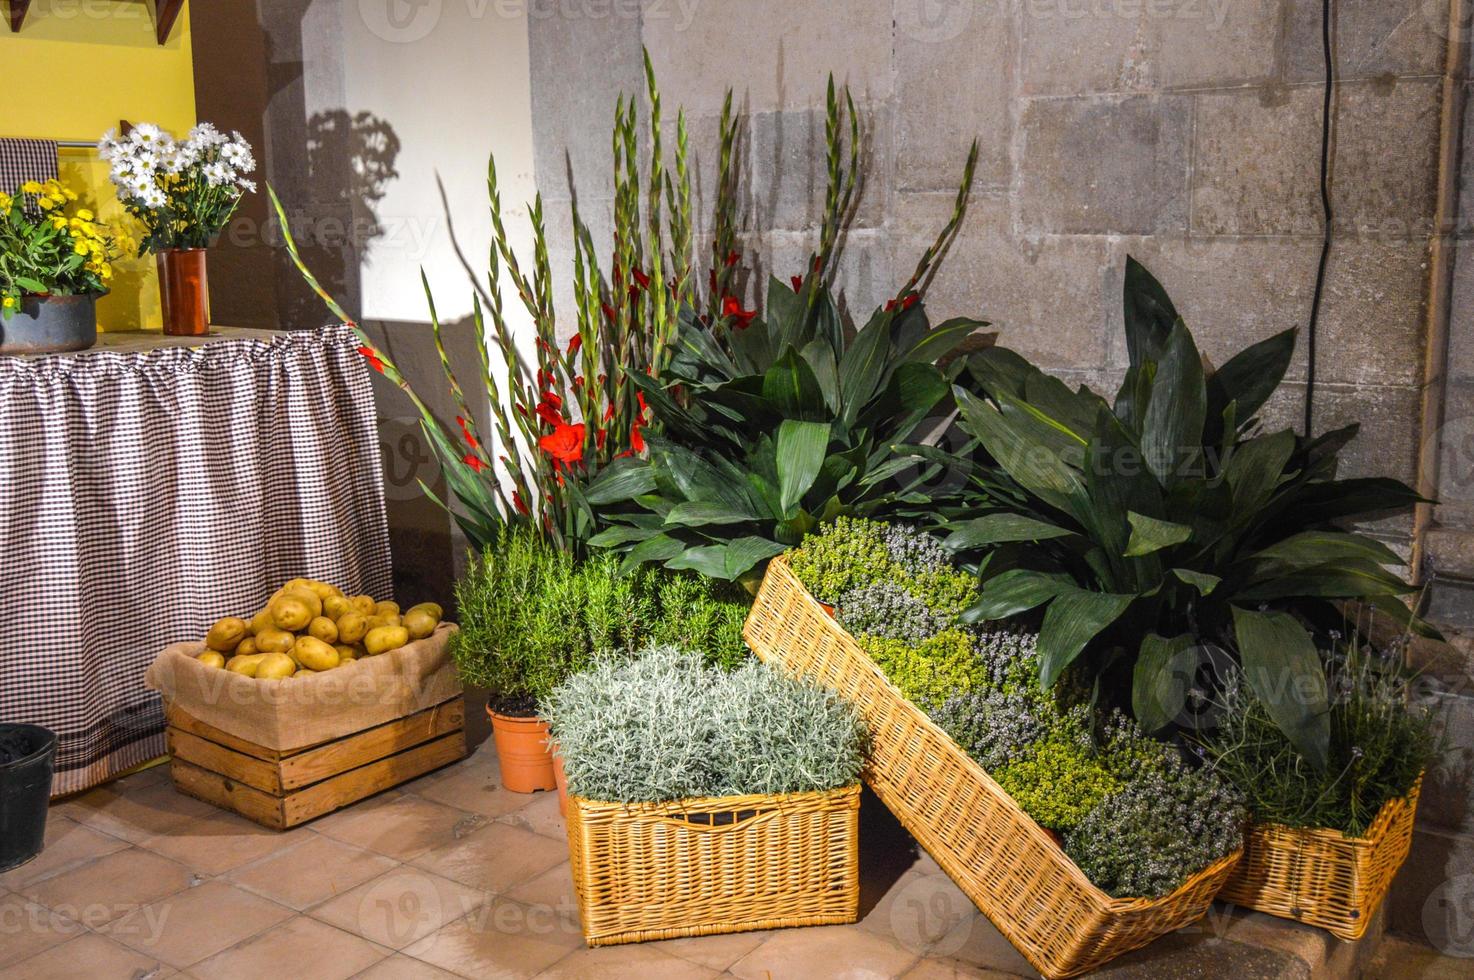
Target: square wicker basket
{"x":1322,"y":877}
{"x":1000,"y":858}
{"x":647,"y":871}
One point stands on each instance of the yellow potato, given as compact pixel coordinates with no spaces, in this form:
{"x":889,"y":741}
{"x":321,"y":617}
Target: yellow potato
{"x":352,"y":627}
{"x":274,"y":641}
{"x":324,"y":629}
{"x":363,"y":604}
{"x":376,"y":621}
{"x":290,"y":613}
{"x":304,"y":672}
{"x":348,"y":651}
{"x":419,"y":623}
{"x":314,"y":654}
{"x":275,"y":667}
{"x":247,"y":647}
{"x":320,"y":589}
{"x":382,"y":639}
{"x":211,"y":659}
{"x":335,"y":607}
{"x":261,"y":621}
{"x":226,"y":634}
{"x":386,"y":608}
{"x":433,"y":608}
{"x":345,"y":661}
{"x":308,"y":597}
{"x":245,"y":665}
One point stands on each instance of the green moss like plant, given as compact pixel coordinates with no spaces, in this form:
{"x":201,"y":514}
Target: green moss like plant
{"x":927,"y":674}
{"x":848,"y":553}
{"x":1059,"y":782}
{"x":663,"y":726}
{"x":531,"y":615}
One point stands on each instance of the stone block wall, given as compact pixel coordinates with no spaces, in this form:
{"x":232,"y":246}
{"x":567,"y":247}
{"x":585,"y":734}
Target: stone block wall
{"x":1182,"y":132}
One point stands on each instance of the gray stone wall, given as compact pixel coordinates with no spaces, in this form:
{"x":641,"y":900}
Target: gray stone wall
{"x":1183,"y":132}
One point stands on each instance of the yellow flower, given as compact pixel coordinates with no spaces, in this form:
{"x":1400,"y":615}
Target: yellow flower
{"x":31,"y":187}
{"x":58,"y":222}
{"x":8,"y":302}
{"x":80,"y":248}
{"x":5,"y":201}
{"x":71,"y":195}
{"x":84,"y":214}
{"x":46,"y":203}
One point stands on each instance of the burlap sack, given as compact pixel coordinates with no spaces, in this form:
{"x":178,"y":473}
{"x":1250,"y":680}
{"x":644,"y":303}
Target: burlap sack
{"x":302,"y":711}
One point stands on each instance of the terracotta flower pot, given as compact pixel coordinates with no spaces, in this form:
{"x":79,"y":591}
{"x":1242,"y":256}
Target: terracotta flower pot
{"x":184,"y":294}
{"x":828,"y":608}
{"x":562,"y":780}
{"x":522,"y":750}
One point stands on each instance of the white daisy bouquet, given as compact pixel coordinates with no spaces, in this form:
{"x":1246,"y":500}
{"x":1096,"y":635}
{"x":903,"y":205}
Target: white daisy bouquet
{"x":183,"y":191}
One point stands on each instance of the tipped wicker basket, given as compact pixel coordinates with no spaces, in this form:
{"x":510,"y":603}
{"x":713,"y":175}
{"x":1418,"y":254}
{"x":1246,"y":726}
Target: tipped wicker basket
{"x":1005,"y":862}
{"x":647,"y":871}
{"x":1322,"y":877}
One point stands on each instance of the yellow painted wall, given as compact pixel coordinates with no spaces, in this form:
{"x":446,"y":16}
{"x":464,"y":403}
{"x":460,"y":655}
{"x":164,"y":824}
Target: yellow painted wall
{"x":84,"y":65}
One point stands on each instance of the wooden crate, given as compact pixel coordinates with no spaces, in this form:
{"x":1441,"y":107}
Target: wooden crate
{"x":281,"y":789}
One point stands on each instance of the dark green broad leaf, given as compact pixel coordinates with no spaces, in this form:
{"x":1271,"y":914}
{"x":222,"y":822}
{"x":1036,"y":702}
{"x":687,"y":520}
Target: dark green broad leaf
{"x":1310,"y":548}
{"x":1251,"y":376}
{"x":819,"y":356}
{"x":621,"y":480}
{"x":709,"y":560}
{"x":792,"y":388}
{"x":912,"y":392}
{"x":1148,"y":534}
{"x":1036,"y":465}
{"x":1073,"y":619}
{"x":863,"y":366}
{"x":681,"y":473}
{"x":993,"y":529}
{"x":699,"y":513}
{"x":696,"y":344}
{"x":661,"y":548}
{"x":1202,"y":581}
{"x":745,"y":553}
{"x":1350,"y":498}
{"x":801,"y":450}
{"x":1345,"y":579}
{"x":1014,"y":591}
{"x":999,"y":370}
{"x":1254,"y":470}
{"x":784,"y":310}
{"x":1072,"y":410}
{"x":1284,"y":671}
{"x":1172,"y":430}
{"x":942,"y":339}
{"x":619,"y":535}
{"x":1148,"y":312}
{"x":1162,"y":677}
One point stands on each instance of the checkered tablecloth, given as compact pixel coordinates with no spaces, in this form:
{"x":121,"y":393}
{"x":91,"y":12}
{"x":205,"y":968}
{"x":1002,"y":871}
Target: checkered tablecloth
{"x":144,"y":495}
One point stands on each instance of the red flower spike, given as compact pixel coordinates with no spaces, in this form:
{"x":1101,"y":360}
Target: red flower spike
{"x":637,"y":441}
{"x":519,"y":503}
{"x":474,"y":462}
{"x":564,"y":443}
{"x":904,"y":303}
{"x":574,"y":343}
{"x":550,"y":409}
{"x":600,"y":437}
{"x":578,"y":381}
{"x":609,"y":312}
{"x":731,"y":259}
{"x":733,"y":309}
{"x":798,"y":283}
{"x":640,"y":397}
{"x":373,"y":358}
{"x":609,"y":413}
{"x":641,"y":280}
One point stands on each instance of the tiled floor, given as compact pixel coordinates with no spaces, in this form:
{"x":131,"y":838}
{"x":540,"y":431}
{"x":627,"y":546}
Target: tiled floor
{"x":448,"y":876}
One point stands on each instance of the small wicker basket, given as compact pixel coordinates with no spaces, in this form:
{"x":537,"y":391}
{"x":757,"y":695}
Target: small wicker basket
{"x":1322,"y":877}
{"x":698,"y":867}
{"x":1005,"y":862}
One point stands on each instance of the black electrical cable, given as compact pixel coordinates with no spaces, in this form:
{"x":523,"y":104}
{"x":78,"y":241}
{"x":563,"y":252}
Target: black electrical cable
{"x":1326,"y":218}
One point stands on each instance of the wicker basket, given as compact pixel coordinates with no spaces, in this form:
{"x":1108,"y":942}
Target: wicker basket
{"x":1004,"y":861}
{"x":1322,"y":877}
{"x":699,"y":867}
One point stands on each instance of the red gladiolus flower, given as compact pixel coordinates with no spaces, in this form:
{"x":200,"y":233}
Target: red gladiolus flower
{"x":609,"y":412}
{"x":373,"y":358}
{"x":474,"y":462}
{"x":550,"y":409}
{"x":609,"y":311}
{"x":574,"y":343}
{"x":564,"y":443}
{"x":578,"y":381}
{"x":519,"y":503}
{"x":641,"y":280}
{"x":600,"y":437}
{"x":637,"y":441}
{"x":905,"y":303}
{"x":731,"y":259}
{"x":742,"y":318}
{"x":466,"y":431}
{"x":798,"y":283}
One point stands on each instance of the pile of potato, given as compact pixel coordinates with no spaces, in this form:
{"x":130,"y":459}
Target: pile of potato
{"x":308,"y":627}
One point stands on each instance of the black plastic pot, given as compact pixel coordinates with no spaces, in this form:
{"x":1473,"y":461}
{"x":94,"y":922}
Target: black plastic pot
{"x":25,"y":791}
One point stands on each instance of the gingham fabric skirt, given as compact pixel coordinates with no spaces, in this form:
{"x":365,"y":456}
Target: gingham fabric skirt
{"x":143,"y":496}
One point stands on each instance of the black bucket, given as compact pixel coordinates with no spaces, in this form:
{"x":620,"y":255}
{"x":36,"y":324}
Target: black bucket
{"x":27,"y":754}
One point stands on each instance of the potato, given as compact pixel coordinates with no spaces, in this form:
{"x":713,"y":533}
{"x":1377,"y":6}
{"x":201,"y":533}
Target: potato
{"x":335,"y":607}
{"x":324,"y":629}
{"x":309,"y":598}
{"x":345,"y":661}
{"x":226,"y":634}
{"x":419,"y":623}
{"x":275,"y":667}
{"x":352,"y":627}
{"x":363,"y":604}
{"x":376,"y":621}
{"x":211,"y":659}
{"x":320,"y":589}
{"x":247,"y":646}
{"x":348,"y":651}
{"x":290,"y":613}
{"x":245,"y":665}
{"x":382,"y":639}
{"x":433,"y":608}
{"x":304,"y":672}
{"x":386,"y":608}
{"x":314,"y":654}
{"x":261,"y":621}
{"x":274,"y":641}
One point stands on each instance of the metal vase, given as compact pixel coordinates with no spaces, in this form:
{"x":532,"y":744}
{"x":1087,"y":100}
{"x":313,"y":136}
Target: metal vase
{"x":50,"y":324}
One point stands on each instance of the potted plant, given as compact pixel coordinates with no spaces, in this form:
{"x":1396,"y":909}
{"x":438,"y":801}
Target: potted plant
{"x":532,"y":614}
{"x":1077,"y":835}
{"x":1326,"y":840}
{"x":706,"y":801}
{"x":27,"y":755}
{"x":184,"y":192}
{"x":55,"y":260}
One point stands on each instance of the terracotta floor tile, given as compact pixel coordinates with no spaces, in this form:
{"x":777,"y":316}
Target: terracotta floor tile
{"x":403,"y":827}
{"x":714,"y":952}
{"x":499,"y":941}
{"x":922,"y":913}
{"x":494,"y":858}
{"x":836,"y":952}
{"x":109,"y":887}
{"x":299,"y":948}
{"x":221,"y":842}
{"x":399,"y":907}
{"x":313,"y":871}
{"x":476,"y":788}
{"x":68,"y":845}
{"x":27,"y":928}
{"x":933,"y":968}
{"x":91,"y":956}
{"x":196,"y":923}
{"x":401,"y":967}
{"x":541,"y":816}
{"x":551,"y":889}
{"x":135,"y":812}
{"x":977,"y":942}
{"x":632,"y":962}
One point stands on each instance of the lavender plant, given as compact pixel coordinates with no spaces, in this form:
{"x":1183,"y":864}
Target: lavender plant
{"x":663,"y":726}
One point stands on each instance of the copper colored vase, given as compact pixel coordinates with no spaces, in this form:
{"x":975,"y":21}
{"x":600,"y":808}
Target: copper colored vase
{"x":183,"y":292}
{"x":522,"y":750}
